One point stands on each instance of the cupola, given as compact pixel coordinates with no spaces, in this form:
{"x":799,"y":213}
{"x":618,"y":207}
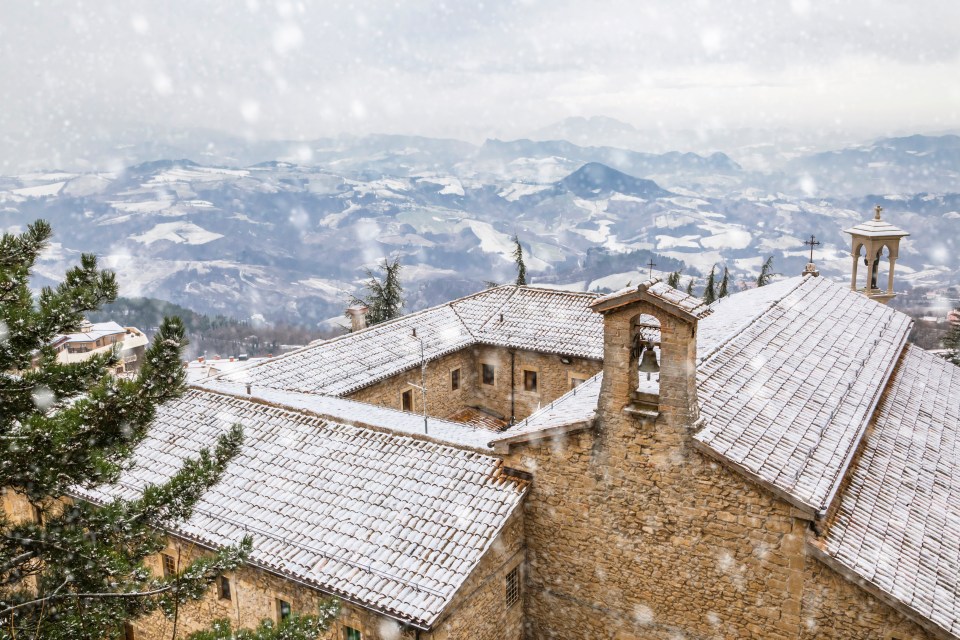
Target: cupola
{"x":873,"y":241}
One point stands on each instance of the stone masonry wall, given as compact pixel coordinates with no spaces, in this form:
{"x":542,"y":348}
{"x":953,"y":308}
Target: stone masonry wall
{"x":480,"y":611}
{"x":553,"y":380}
{"x":834,"y":607}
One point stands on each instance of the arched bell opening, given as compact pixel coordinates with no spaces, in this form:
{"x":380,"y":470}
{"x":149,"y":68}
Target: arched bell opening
{"x":862,"y":268}
{"x":645,"y":359}
{"x":882,"y":268}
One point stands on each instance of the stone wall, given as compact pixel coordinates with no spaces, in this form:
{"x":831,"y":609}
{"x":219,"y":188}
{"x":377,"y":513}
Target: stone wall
{"x":834,"y":607}
{"x":553,"y":380}
{"x":254,"y":595}
{"x":479,"y":611}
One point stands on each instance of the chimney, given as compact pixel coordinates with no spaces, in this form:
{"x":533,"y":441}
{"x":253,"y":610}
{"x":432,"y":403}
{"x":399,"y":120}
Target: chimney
{"x":358,"y":316}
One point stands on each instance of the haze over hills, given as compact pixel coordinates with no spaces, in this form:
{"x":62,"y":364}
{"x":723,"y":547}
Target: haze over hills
{"x":288,"y":231}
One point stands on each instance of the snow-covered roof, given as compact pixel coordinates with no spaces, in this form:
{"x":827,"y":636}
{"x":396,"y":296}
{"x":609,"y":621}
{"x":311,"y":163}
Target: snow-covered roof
{"x":876,"y":228}
{"x":660,"y":294}
{"x":897,"y":524}
{"x":392,"y":522}
{"x":787,"y":398}
{"x":354,"y":412}
{"x":574,"y":409}
{"x":535,"y":319}
{"x":93,"y":332}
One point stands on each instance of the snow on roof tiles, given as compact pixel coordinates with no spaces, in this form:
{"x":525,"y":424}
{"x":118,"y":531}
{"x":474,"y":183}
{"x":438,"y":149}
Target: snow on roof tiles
{"x":535,"y":319}
{"x":389,"y":521}
{"x":577,"y":406}
{"x":787,"y":399}
{"x":355,"y":412}
{"x":657,"y":292}
{"x":897,"y":525}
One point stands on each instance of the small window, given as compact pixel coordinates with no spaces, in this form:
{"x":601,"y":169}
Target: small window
{"x":576,"y":382}
{"x":128,"y":633}
{"x":513,"y":586}
{"x":529,"y":380}
{"x":349,"y":633}
{"x":488,"y":374}
{"x":283,"y":610}
{"x":406,"y":400}
{"x":455,"y":379}
{"x":223,"y":586}
{"x":37,"y":514}
{"x":169,"y":566}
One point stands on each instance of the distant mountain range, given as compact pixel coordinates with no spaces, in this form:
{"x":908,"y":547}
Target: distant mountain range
{"x":287,"y":232}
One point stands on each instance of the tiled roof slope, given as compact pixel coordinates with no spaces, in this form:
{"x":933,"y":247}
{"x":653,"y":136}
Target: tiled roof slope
{"x":536,"y":319}
{"x":787,"y":398}
{"x":546,"y":321}
{"x":897,"y":525}
{"x":577,"y":406}
{"x":389,"y":521}
{"x":658,"y":292}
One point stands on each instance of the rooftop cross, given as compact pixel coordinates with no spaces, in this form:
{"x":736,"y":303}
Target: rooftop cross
{"x":651,"y":264}
{"x":877,"y":210}
{"x":813,"y":242}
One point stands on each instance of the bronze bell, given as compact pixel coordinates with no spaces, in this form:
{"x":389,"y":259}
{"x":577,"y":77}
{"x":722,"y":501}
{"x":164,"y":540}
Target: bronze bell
{"x":648,"y":363}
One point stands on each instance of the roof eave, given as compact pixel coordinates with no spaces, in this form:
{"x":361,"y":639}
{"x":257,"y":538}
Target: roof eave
{"x":880,"y":594}
{"x":804,"y":510}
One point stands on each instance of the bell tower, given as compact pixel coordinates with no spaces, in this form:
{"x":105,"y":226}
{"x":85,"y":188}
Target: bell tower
{"x":870,"y":240}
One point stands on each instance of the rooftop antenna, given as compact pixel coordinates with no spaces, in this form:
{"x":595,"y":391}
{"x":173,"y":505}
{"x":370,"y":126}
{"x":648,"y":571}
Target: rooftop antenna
{"x":651,"y":264}
{"x":423,"y":383}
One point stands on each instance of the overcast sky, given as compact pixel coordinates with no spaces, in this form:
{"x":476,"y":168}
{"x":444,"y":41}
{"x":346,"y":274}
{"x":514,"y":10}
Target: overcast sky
{"x":471,"y":69}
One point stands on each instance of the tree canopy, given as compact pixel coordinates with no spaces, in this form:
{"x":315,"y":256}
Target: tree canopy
{"x":518,"y":259}
{"x":74,"y":570}
{"x":384,"y":297}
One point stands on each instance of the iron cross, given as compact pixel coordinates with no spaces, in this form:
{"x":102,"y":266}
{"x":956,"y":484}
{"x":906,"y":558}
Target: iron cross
{"x":812,"y":242}
{"x":651,"y":264}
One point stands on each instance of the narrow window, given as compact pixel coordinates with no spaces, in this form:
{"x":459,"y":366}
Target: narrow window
{"x":455,"y":379}
{"x":406,"y":400}
{"x":128,"y":633}
{"x":37,"y":514}
{"x":349,"y":633}
{"x":283,"y":610}
{"x":513,"y":586}
{"x":169,"y":566}
{"x":489,"y":374}
{"x":224,"y":588}
{"x":529,"y":380}
{"x":576,"y":382}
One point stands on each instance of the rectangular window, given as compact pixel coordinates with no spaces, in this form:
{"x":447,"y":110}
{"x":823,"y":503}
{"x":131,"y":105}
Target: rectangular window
{"x":223,"y":586}
{"x":406,"y":400}
{"x":513,"y":586}
{"x":455,"y":379}
{"x":169,"y":566}
{"x":529,"y":380}
{"x":349,"y":633}
{"x":488,"y":374}
{"x":576,"y":382}
{"x":37,"y":514}
{"x":283,"y":610}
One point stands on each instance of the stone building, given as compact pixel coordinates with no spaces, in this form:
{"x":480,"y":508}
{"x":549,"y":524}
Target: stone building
{"x":779,"y":464}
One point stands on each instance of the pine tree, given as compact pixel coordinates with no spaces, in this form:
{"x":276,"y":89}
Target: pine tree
{"x":518,"y":258}
{"x":673,"y":280}
{"x":690,"y":284}
{"x":766,"y":273}
{"x":75,"y":570}
{"x":724,"y":284}
{"x":710,"y":291}
{"x":952,"y":343}
{"x":385,"y":297}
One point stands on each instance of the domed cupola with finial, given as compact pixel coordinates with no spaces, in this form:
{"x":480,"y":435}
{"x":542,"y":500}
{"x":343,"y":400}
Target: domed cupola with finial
{"x":873,"y":241}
